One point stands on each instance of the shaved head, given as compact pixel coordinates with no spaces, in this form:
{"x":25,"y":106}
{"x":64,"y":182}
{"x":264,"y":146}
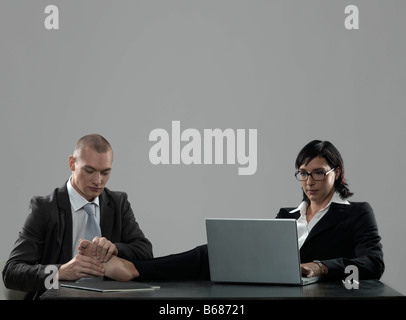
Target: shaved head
{"x":95,"y":142}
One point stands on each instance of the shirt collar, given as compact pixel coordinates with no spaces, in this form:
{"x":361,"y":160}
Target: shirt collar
{"x":336,"y":198}
{"x":76,"y":200}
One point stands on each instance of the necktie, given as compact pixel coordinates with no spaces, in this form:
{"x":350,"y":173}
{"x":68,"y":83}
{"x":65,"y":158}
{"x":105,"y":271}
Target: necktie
{"x":92,"y":227}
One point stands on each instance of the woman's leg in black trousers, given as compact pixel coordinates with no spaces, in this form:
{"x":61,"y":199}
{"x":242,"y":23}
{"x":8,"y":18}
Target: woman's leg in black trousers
{"x":189,"y":265}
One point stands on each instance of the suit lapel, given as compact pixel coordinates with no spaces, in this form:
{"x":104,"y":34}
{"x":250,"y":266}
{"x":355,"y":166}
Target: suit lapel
{"x":333,"y":216}
{"x":106,"y":216}
{"x":64,"y":238}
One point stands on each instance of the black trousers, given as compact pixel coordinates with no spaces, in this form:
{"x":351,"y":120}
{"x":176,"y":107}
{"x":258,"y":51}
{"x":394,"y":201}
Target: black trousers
{"x":189,"y":265}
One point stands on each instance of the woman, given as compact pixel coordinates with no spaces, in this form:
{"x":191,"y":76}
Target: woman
{"x":332,"y":232}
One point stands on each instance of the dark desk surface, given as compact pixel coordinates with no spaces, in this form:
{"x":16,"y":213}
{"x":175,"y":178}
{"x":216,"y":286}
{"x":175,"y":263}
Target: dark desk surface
{"x":368,"y":289}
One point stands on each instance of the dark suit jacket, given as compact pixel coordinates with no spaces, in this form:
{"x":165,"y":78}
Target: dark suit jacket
{"x":46,"y":237}
{"x":345,"y":235}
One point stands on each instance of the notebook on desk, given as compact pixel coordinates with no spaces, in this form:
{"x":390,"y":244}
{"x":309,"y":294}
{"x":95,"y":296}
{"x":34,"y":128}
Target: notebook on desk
{"x":254,"y":251}
{"x":105,"y":285}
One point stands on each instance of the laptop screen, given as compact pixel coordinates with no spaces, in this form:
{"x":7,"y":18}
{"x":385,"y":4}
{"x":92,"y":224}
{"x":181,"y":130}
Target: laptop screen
{"x":253,"y":250}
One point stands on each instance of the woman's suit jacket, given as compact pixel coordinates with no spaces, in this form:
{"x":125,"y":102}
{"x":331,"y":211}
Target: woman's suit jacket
{"x":46,"y":237}
{"x":345,"y":235}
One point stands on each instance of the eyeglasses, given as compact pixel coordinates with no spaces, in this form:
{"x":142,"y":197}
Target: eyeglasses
{"x":318,"y":175}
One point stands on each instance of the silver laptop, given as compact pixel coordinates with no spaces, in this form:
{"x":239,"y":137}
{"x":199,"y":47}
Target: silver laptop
{"x":254,"y":251}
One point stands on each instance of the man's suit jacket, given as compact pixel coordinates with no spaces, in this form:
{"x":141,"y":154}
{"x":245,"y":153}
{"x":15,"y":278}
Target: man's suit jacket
{"x":46,"y":237}
{"x":345,"y":235}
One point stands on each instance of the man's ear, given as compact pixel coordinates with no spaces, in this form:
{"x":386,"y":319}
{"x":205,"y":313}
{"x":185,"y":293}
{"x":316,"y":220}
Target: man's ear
{"x":72,"y":162}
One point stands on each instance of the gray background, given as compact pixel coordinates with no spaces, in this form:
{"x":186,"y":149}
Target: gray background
{"x":123,"y":68}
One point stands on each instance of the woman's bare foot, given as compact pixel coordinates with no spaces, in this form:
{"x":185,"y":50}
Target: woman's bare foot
{"x":120,"y":269}
{"x":116,"y":268}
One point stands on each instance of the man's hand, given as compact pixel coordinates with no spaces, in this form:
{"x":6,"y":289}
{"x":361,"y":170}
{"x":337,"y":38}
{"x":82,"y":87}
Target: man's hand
{"x":100,"y":248}
{"x":312,"y":269}
{"x":115,"y":268}
{"x":80,"y":267}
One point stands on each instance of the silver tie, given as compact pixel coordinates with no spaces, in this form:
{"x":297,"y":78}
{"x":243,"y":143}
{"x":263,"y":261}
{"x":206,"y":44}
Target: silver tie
{"x":92,"y":227}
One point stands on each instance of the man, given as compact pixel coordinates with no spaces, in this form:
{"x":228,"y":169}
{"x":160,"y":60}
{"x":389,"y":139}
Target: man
{"x":56,"y":224}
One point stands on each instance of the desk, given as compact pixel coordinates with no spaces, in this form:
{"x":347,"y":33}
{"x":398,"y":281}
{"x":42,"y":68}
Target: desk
{"x":206,"y":290}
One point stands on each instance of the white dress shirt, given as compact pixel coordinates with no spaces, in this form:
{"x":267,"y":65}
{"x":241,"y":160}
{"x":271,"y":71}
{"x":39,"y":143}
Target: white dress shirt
{"x":79,"y":215}
{"x":304,"y":228}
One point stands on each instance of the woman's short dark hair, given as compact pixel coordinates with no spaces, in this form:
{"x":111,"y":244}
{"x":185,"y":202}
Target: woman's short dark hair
{"x":326,"y":150}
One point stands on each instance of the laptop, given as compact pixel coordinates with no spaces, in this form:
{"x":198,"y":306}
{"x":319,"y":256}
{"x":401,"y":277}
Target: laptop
{"x":254,"y":251}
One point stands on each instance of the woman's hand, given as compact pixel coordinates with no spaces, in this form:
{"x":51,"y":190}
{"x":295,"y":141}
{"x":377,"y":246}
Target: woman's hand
{"x":312,"y":269}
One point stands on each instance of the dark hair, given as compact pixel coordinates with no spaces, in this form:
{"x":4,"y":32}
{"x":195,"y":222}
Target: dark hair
{"x":93,"y":141}
{"x":326,"y":150}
